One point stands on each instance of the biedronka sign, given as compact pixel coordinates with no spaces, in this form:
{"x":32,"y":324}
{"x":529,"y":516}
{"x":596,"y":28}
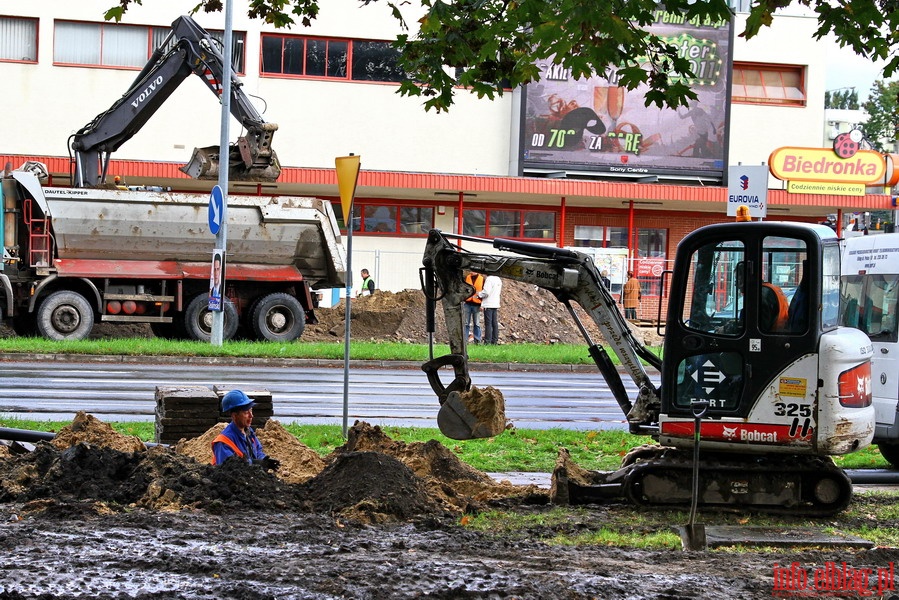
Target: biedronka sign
{"x":842,"y":170}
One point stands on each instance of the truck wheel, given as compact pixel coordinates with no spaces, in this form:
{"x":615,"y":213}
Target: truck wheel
{"x":65,"y":316}
{"x":278,"y":318}
{"x":890,"y":451}
{"x":198,"y":319}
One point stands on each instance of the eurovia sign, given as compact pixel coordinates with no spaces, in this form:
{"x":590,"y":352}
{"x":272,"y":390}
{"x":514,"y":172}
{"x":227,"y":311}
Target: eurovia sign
{"x":825,"y":165}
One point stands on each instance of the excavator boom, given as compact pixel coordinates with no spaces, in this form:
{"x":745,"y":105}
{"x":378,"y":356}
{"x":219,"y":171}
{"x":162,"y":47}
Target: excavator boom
{"x":569,"y":276}
{"x":187,"y":49}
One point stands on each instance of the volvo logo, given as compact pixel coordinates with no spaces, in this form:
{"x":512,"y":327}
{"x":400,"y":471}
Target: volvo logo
{"x":147,"y":92}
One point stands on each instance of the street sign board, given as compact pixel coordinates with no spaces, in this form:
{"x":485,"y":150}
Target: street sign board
{"x":747,"y":186}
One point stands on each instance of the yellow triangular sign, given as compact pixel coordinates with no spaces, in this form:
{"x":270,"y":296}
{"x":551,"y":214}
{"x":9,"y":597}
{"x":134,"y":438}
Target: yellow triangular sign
{"x":347,"y":175}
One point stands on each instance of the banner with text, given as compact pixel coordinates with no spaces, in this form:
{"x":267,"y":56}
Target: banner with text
{"x":595,"y":125}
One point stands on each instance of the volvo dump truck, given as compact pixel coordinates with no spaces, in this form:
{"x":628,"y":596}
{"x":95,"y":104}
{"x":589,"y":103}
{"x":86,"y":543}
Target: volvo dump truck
{"x":780,"y":385}
{"x":76,"y":256}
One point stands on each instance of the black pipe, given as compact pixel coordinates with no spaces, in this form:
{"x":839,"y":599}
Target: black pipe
{"x":864,"y":476}
{"x":27,"y":435}
{"x":24,"y":435}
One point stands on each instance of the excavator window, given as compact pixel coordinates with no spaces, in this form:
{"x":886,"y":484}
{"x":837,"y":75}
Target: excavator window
{"x":715,"y":301}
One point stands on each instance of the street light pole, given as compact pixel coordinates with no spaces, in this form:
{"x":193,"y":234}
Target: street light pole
{"x":221,"y":238}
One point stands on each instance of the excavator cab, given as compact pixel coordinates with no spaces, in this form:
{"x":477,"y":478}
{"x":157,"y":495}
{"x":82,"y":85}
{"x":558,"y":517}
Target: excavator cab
{"x":751,"y":327}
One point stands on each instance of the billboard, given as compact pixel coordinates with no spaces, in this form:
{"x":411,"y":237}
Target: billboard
{"x":595,"y":125}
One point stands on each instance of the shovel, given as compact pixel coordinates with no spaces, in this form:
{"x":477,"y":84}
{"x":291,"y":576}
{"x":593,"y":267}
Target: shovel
{"x":692,"y":535}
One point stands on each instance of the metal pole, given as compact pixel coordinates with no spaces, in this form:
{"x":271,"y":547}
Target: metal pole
{"x":346,"y":329}
{"x":221,"y":238}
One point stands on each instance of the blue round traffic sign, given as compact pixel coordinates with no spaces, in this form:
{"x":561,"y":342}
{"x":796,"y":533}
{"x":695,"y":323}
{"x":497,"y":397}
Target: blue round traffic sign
{"x":216,"y":209}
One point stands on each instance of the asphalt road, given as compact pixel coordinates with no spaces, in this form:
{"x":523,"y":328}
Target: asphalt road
{"x":54,"y":388}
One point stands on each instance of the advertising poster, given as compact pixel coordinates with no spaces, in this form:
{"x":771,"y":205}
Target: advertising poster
{"x":595,"y":125}
{"x":216,"y":279}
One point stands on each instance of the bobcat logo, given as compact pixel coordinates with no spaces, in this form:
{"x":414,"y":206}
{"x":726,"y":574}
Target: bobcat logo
{"x":730,"y":432}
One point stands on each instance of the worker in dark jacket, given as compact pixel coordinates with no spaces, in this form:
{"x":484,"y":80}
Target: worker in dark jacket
{"x":238,"y":438}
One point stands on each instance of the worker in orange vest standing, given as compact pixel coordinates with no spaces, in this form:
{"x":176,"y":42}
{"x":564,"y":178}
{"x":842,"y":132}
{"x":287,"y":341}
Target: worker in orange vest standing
{"x":238,"y":438}
{"x":471,"y":308}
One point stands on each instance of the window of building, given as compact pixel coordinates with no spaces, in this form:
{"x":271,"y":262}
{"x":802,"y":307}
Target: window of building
{"x":100,"y":44}
{"x":781,"y":85}
{"x":18,"y":39}
{"x":117,"y":45}
{"x":589,"y":236}
{"x":356,"y":60}
{"x":394,"y":220}
{"x":527,"y":224}
{"x":238,"y":44}
{"x":652,"y":242}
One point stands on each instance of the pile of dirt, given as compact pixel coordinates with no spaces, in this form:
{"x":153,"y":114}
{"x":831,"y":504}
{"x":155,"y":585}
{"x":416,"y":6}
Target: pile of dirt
{"x":372,"y":478}
{"x":90,"y":430}
{"x":528,"y":314}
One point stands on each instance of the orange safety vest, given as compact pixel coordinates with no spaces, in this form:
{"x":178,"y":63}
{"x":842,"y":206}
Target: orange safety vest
{"x":228,"y":441}
{"x":476,"y":280}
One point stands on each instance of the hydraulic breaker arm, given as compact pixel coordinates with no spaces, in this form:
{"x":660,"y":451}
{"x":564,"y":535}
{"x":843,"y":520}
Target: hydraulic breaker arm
{"x":569,"y":276}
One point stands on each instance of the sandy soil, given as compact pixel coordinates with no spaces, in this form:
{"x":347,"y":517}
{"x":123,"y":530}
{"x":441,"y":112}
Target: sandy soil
{"x":87,"y":516}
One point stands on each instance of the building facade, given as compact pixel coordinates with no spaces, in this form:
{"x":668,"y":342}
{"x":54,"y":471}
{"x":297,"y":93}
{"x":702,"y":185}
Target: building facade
{"x":331,"y":88}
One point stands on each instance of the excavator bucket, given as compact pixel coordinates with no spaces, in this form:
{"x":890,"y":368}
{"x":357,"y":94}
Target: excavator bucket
{"x":205,"y":164}
{"x":473,"y":414}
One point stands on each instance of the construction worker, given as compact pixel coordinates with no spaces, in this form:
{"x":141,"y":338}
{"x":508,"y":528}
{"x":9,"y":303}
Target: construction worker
{"x":238,"y":438}
{"x":472,"y":308}
{"x":368,"y":284}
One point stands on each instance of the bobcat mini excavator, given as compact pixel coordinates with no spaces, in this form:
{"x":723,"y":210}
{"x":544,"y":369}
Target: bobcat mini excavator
{"x":785,"y":387}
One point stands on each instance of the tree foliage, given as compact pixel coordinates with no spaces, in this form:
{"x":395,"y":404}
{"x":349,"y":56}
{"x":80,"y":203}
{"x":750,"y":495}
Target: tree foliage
{"x":496,"y":43}
{"x":882,"y":106}
{"x":846,"y":99}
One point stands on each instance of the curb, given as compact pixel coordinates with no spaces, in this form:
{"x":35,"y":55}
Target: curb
{"x":283,"y":362}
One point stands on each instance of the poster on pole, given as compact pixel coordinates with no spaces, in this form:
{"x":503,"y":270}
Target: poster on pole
{"x":216,"y":279}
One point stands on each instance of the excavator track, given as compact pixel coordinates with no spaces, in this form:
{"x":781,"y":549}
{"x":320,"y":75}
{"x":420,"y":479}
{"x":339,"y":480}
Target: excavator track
{"x":794,"y":485}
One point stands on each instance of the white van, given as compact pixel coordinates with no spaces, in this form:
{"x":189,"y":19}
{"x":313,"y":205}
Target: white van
{"x":869,"y":300}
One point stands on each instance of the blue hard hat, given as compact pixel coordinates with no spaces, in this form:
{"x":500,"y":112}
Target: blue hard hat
{"x":236,"y":399}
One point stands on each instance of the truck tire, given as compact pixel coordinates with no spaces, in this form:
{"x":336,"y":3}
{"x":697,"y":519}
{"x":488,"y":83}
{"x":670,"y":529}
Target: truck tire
{"x":890,"y":451}
{"x":278,"y":317}
{"x":198,"y":319}
{"x":65,"y":316}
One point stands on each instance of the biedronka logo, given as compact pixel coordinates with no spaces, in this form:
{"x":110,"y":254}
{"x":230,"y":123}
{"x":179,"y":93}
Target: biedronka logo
{"x":824,"y":165}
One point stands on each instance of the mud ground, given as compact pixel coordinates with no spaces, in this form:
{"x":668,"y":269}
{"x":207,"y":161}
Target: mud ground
{"x":91,"y":516}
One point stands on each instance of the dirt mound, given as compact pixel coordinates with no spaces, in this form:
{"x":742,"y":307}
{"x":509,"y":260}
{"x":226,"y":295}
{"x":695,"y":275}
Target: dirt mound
{"x":457,"y":482}
{"x":373,"y":488}
{"x":372,"y":478}
{"x":528,"y":314}
{"x":88,"y":429}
